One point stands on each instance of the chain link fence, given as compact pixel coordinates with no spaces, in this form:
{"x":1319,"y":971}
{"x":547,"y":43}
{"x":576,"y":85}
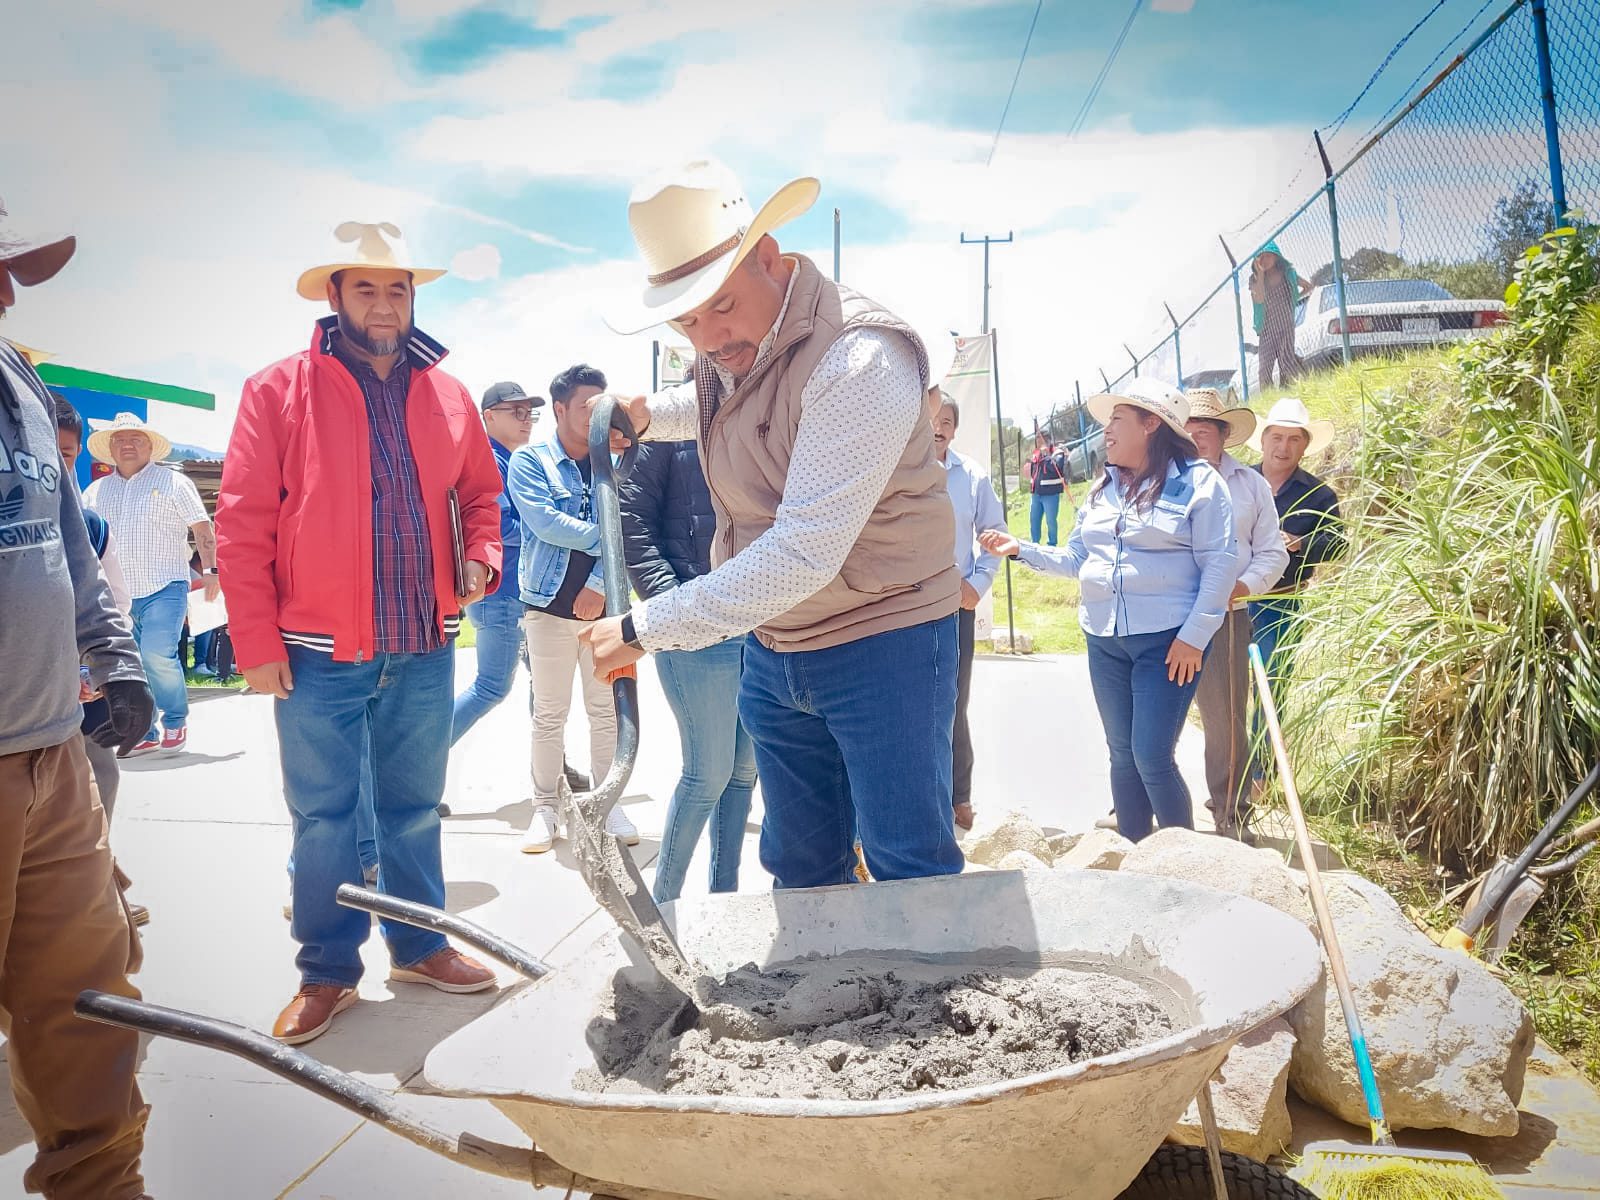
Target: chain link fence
{"x":1412,"y":240}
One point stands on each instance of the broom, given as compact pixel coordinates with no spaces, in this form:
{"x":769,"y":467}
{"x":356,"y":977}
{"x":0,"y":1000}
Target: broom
{"x":1348,"y":1170}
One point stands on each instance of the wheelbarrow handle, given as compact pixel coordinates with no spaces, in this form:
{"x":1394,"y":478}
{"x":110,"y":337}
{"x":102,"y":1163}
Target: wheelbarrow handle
{"x":523,"y":1163}
{"x":423,"y":916}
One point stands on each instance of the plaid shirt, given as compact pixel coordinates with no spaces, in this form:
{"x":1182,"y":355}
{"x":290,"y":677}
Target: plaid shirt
{"x":150,"y":515}
{"x":403,"y":603}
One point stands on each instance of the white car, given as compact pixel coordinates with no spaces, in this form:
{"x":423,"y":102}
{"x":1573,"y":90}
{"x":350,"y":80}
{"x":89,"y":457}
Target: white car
{"x":1387,"y":316}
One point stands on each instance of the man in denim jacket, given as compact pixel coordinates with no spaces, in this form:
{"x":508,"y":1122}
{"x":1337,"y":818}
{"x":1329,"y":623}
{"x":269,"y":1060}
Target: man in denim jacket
{"x":561,"y":583}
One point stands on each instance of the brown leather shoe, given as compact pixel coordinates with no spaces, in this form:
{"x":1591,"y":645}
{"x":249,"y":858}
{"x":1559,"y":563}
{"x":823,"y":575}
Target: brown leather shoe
{"x":311,"y":1012}
{"x":964,"y":815}
{"x":448,"y":970}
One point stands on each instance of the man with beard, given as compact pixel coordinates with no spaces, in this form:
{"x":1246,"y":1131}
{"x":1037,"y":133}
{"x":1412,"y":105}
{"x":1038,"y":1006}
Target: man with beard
{"x":336,"y":544}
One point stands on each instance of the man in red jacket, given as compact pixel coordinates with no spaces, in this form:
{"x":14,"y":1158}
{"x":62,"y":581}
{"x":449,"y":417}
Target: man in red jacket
{"x":335,"y":545}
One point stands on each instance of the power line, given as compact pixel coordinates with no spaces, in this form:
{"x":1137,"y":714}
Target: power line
{"x":1411,"y":88}
{"x":1028,"y":41}
{"x":1339,"y":121}
{"x":1105,"y":70}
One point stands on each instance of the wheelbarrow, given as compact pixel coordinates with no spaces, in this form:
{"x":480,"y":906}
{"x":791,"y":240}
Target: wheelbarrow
{"x":1221,"y":964}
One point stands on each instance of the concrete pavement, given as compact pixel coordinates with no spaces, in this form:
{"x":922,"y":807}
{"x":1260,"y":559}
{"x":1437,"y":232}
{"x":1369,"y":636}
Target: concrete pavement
{"x":205,"y":835}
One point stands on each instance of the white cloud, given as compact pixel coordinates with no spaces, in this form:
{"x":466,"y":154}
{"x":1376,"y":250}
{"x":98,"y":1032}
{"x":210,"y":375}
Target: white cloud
{"x":477,"y":263}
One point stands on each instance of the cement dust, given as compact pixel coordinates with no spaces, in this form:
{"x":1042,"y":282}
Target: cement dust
{"x":869,"y":1029}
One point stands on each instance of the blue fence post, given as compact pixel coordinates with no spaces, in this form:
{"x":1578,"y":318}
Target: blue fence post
{"x":1238,"y":316}
{"x":1547,"y":98}
{"x":1338,"y":257}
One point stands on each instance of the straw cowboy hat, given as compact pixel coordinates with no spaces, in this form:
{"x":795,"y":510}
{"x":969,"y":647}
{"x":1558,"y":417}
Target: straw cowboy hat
{"x":377,"y":246}
{"x":32,"y":258}
{"x":1206,"y":403}
{"x":1290,"y":413}
{"x":1154,"y":397}
{"x":693,"y":225}
{"x":100,"y":439}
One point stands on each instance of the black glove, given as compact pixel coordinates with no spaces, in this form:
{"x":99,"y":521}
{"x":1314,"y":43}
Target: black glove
{"x":132,"y":709}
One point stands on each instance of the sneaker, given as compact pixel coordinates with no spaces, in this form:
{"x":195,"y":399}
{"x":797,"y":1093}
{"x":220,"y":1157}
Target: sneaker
{"x":542,"y":830}
{"x":1109,"y":821}
{"x":448,"y":970}
{"x":148,"y":746}
{"x":619,"y":825}
{"x":175,"y":740}
{"x":311,"y":1011}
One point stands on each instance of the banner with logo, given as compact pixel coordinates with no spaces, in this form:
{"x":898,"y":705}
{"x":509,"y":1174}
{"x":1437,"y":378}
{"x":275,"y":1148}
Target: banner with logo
{"x":968,"y":384}
{"x":675,"y":364}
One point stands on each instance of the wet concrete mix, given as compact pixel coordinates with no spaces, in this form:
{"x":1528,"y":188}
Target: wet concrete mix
{"x":869,"y":1029}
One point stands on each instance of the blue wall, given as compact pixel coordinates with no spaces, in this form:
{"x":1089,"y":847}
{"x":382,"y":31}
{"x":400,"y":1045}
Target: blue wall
{"x":99,"y":406}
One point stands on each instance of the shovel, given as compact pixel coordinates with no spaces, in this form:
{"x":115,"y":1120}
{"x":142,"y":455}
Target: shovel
{"x":608,"y":869}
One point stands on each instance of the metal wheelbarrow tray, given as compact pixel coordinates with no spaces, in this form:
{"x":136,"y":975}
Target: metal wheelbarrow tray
{"x":1226,"y":963}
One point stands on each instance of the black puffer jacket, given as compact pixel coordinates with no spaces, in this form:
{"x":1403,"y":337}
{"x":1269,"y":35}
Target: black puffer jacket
{"x":667,"y":520}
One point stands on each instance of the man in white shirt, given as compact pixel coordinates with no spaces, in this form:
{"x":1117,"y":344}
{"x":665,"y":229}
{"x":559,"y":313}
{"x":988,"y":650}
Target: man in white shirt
{"x":153,"y":511}
{"x":976,"y":508}
{"x":834,"y":531}
{"x":1223,"y":696}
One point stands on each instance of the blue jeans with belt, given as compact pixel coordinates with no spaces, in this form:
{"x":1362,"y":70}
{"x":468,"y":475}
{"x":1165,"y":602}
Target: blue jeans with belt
{"x":497,"y":620}
{"x":1143,"y":713}
{"x":855,"y":739}
{"x":719,"y":765}
{"x":394,"y":713}
{"x":157,"y":626}
{"x":1272,"y":624}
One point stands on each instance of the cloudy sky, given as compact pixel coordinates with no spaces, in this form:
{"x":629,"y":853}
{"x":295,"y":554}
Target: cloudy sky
{"x":203,"y":150}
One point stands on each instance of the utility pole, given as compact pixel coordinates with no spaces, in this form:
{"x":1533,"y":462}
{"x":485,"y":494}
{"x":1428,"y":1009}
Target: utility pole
{"x":836,"y":245}
{"x":999,"y":425}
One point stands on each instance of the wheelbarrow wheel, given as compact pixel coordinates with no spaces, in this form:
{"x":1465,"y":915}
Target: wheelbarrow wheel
{"x":1181,"y":1173}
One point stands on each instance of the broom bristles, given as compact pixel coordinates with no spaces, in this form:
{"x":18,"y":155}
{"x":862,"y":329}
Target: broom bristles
{"x":1353,"y":1175}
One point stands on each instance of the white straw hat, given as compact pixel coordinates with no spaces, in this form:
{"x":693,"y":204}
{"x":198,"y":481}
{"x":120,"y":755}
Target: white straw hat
{"x":693,"y":225}
{"x":1290,"y":413}
{"x":1154,"y":397}
{"x":1206,"y":404}
{"x":33,"y":258}
{"x":100,"y":439}
{"x":378,"y":246}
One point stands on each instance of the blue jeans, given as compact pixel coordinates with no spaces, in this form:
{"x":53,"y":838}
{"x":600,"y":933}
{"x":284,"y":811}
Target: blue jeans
{"x":719,"y":765}
{"x":1143,"y":713}
{"x":1045,"y":510}
{"x":855,"y":739}
{"x":391,"y":712}
{"x":366,"y":824}
{"x":157,"y":626}
{"x":1272,"y":624}
{"x":497,"y":618}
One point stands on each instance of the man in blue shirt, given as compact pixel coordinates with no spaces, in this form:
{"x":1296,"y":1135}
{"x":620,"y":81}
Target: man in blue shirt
{"x":976,"y":508}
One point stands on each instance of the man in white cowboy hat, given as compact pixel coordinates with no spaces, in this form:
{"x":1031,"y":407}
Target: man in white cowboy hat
{"x":1224,"y":692}
{"x":834,"y":531}
{"x":338,"y":556}
{"x":153,"y":511}
{"x":1308,"y":515}
{"x":63,"y":924}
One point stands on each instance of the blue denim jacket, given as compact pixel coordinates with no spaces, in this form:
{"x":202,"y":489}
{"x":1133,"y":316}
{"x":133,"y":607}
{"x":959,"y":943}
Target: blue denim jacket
{"x":553,"y":501}
{"x":1171,"y":566}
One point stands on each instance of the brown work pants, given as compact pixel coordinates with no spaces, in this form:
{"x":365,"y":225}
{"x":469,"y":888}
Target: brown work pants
{"x":1223,"y":698}
{"x":63,"y":928}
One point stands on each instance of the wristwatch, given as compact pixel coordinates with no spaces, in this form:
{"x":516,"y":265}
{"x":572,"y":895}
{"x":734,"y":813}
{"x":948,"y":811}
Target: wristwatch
{"x":209,"y":571}
{"x":628,"y":635}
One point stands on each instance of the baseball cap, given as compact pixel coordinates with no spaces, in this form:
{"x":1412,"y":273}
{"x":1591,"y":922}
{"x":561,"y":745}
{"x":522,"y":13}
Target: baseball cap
{"x":507,"y":393}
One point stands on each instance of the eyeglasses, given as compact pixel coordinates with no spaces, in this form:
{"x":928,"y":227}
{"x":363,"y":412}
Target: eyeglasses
{"x":522,"y":412}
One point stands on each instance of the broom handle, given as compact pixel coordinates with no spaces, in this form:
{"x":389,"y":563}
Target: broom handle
{"x":1319,"y":902}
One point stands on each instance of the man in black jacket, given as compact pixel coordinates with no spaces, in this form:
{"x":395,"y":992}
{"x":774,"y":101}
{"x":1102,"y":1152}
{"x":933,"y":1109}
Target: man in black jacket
{"x":667,"y":527}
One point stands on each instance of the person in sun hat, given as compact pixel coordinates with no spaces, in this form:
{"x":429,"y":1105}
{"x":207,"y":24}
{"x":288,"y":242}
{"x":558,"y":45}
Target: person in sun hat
{"x":153,"y":511}
{"x":1153,"y":552}
{"x":337,"y":548}
{"x":834,"y":530}
{"x":1312,"y":530}
{"x":1223,"y":696}
{"x":64,"y":925}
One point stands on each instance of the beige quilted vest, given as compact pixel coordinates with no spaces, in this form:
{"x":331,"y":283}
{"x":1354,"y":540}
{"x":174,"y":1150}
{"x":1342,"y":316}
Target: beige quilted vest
{"x":901,"y":571}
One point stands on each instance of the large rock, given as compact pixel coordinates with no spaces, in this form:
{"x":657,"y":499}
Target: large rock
{"x":1021,"y":860}
{"x":1097,"y":850}
{"x":1220,"y":863}
{"x":1250,"y":1095}
{"x":1014,"y":832}
{"x":1449,"y":1042}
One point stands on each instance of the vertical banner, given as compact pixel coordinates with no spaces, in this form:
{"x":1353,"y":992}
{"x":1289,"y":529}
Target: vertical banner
{"x":675,"y":365}
{"x":968,"y":384}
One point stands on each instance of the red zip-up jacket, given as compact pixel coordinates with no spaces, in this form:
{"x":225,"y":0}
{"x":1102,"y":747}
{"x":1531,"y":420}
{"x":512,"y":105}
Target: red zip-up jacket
{"x":294,"y":516}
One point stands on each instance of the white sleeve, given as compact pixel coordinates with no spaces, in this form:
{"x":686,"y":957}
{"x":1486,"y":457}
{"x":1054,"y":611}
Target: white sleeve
{"x":1268,"y":555}
{"x":674,"y":414}
{"x":186,"y":499}
{"x":111,"y":567}
{"x":858,"y":411}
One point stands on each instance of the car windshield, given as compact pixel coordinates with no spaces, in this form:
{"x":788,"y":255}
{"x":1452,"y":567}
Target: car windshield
{"x":1384,"y":291}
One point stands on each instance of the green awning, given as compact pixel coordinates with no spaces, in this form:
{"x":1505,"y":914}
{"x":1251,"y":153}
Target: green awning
{"x":116,"y":385}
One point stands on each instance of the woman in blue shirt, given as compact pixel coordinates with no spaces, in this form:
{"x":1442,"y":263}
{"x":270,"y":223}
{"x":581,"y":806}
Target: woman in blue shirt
{"x":1153,"y":552}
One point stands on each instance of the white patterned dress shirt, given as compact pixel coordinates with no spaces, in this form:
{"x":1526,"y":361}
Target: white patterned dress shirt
{"x":149,"y":515}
